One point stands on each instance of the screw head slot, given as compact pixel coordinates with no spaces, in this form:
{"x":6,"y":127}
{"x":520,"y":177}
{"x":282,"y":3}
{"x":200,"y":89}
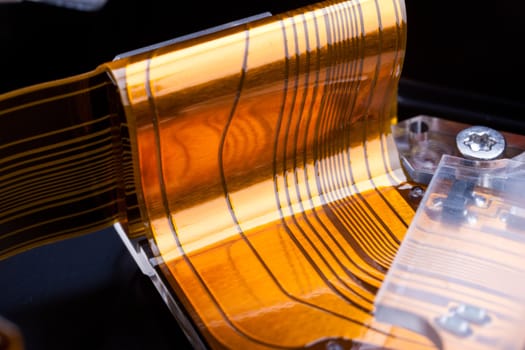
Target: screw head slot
{"x":480,"y":143}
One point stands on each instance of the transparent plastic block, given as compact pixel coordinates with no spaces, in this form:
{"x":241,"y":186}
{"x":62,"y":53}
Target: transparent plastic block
{"x":459,"y":275}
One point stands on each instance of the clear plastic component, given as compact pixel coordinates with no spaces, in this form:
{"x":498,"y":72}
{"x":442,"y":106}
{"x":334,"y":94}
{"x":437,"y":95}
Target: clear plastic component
{"x":459,"y":276}
{"x":422,"y":141}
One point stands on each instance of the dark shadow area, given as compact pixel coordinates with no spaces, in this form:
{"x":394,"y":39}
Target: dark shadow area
{"x":85,"y":293}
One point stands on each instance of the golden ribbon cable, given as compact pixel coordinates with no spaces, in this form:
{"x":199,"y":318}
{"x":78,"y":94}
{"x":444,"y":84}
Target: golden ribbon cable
{"x":265,"y":171}
{"x":64,"y":156}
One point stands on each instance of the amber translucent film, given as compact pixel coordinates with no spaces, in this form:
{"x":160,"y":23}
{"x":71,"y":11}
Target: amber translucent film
{"x":64,"y":161}
{"x":267,"y":173}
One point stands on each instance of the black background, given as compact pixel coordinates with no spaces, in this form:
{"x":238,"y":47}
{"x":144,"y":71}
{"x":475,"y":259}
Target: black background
{"x":462,"y":63}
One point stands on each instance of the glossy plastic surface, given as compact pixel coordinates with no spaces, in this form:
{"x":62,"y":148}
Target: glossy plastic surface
{"x":458,"y":277}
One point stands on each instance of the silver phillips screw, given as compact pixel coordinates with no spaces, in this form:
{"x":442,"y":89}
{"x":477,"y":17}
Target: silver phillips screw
{"x":480,"y":143}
